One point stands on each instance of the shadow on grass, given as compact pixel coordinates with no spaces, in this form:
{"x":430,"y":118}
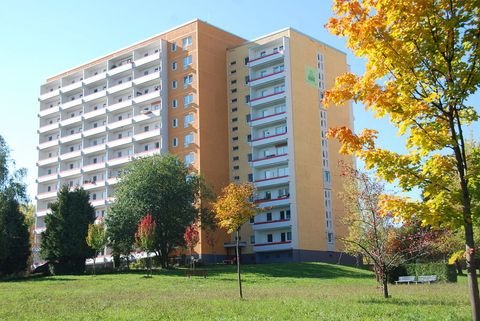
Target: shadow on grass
{"x":413,"y":302}
{"x":37,"y":278}
{"x":279,"y":270}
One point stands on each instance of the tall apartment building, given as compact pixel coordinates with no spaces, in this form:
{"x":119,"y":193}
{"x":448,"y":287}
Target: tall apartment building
{"x":234,"y":110}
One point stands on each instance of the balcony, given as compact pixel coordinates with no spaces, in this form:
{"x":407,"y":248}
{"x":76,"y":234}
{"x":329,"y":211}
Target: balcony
{"x":119,"y":160}
{"x":258,"y":61}
{"x":42,"y":213}
{"x":144,"y":79}
{"x":120,"y":123}
{"x":47,"y":161}
{"x":96,"y":95}
{"x":148,"y":152}
{"x":120,"y":142}
{"x":70,"y":121}
{"x":275,"y":76}
{"x":272,"y":181}
{"x":47,"y":178}
{"x":273,"y":202}
{"x":70,"y":172}
{"x":48,"y":144}
{"x":268,"y":140}
{"x":71,"y":87}
{"x":120,"y":87}
{"x":49,"y":111}
{"x":270,"y":119}
{"x":145,"y":97}
{"x":93,"y":167}
{"x":49,"y":95}
{"x":269,"y":160}
{"x":72,"y":103}
{"x":97,"y":202}
{"x":94,"y":131}
{"x":95,"y":113}
{"x":146,"y":115}
{"x":146,"y":60}
{"x":267,"y":99}
{"x":95,"y":78}
{"x":116,"y":70}
{"x":70,"y":138}
{"x":70,"y":155}
{"x":113,"y":180}
{"x":147,"y":135}
{"x":93,"y":149}
{"x":47,"y":195}
{"x":47,"y":128}
{"x":88,"y":185}
{"x":120,"y":105}
{"x":272,"y":225}
{"x":273,"y":246}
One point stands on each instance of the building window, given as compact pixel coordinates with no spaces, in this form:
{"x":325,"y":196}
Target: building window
{"x":269,"y":238}
{"x":234,"y":119}
{"x":234,"y":129}
{"x":189,"y":158}
{"x":174,"y":103}
{"x":234,"y":109}
{"x":157,"y":145}
{"x":250,"y":177}
{"x":234,"y":100}
{"x":283,"y":237}
{"x":233,"y":81}
{"x":233,"y":63}
{"x":145,"y":148}
{"x":235,"y":148}
{"x":174,"y":84}
{"x":49,"y":188}
{"x":174,"y":46}
{"x":188,"y":139}
{"x":187,"y":100}
{"x":252,"y":239}
{"x":175,"y":142}
{"x":146,"y":129}
{"x":252,"y":219}
{"x":235,"y":138}
{"x":187,"y":81}
{"x":175,"y":123}
{"x":234,"y":90}
{"x":187,"y":61}
{"x":187,"y":120}
{"x":289,"y":236}
{"x":330,"y":237}
{"x":235,"y":158}
{"x":249,"y":157}
{"x":187,"y":41}
{"x":233,"y":71}
{"x":269,"y":217}
{"x":236,"y":178}
{"x":174,"y":65}
{"x":247,"y":98}
{"x":236,"y":167}
{"x":246,"y":60}
{"x":71,"y":166}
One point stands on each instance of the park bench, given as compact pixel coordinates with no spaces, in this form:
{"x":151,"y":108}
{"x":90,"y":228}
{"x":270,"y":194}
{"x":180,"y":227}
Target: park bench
{"x":189,"y":273}
{"x":406,"y":279}
{"x":427,"y":279}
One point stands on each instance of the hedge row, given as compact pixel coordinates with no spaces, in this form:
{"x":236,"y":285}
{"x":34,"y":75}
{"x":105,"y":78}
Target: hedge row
{"x":444,"y":272}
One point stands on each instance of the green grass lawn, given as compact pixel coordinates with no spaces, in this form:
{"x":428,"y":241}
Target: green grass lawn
{"x":307,"y":291}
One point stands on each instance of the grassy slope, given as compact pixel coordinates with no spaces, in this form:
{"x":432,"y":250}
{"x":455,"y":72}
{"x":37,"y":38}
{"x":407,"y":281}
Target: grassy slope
{"x":308,"y":291}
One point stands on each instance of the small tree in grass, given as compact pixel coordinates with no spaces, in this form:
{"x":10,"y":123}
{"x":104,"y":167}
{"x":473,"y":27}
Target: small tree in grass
{"x":145,"y":238}
{"x":96,"y":239}
{"x":191,"y":237}
{"x":233,"y":208}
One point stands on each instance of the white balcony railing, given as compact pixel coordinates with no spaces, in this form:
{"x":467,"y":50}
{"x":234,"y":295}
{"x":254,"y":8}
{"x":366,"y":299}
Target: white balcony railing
{"x":273,"y":246}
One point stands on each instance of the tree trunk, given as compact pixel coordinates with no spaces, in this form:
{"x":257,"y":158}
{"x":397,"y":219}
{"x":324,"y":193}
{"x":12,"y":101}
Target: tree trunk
{"x":385,"y":286}
{"x":472,"y":272}
{"x":238,"y":264}
{"x":149,"y":262}
{"x":94,"y":258}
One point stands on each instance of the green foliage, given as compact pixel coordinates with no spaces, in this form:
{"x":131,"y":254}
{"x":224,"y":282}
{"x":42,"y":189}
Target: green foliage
{"x":14,"y":237}
{"x":64,"y":240}
{"x":161,"y":186}
{"x":96,"y":238}
{"x":444,"y":272}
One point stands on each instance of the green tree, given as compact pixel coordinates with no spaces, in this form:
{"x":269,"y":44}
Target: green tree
{"x":96,"y":239}
{"x":64,"y":240}
{"x":423,"y":65}
{"x":233,"y":208}
{"x":14,"y":237}
{"x":162,"y":186}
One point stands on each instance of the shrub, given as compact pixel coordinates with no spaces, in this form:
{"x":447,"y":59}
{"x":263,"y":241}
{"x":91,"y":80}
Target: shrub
{"x":444,"y":272}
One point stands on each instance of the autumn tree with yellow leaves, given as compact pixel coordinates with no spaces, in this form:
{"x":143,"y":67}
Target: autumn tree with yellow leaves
{"x":233,"y":208}
{"x":423,"y":64}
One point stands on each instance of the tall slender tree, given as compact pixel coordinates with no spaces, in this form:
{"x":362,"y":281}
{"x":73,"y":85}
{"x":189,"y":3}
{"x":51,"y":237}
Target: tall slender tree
{"x":14,"y":236}
{"x":423,"y":65}
{"x":64,"y":240}
{"x":233,"y":208}
{"x":96,"y":239}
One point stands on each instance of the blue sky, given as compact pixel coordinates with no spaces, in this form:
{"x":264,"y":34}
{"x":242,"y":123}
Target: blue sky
{"x":42,"y":38}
